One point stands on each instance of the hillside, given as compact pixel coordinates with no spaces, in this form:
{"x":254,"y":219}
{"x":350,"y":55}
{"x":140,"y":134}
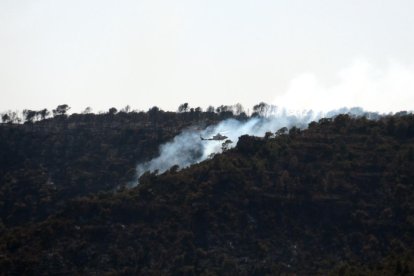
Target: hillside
{"x":337,"y":197}
{"x":43,"y":164}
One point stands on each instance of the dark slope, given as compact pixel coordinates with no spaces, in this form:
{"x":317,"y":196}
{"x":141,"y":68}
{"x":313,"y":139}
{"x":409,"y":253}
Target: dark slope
{"x":43,"y":164}
{"x":337,"y":197}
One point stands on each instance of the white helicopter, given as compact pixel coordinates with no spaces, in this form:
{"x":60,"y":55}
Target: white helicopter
{"x":217,"y":137}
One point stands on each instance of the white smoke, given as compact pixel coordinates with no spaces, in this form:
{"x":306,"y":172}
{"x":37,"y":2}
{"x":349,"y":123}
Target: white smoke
{"x":188,"y":148}
{"x":360,"y":84}
{"x":376,"y":88}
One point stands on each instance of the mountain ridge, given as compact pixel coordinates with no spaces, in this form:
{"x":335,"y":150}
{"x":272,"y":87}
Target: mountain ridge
{"x":335,"y":198}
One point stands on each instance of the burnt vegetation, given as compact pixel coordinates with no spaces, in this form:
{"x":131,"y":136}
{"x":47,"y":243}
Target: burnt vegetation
{"x":336,"y":198}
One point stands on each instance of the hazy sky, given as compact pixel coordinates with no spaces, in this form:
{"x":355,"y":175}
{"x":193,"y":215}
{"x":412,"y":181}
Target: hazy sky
{"x":299,"y":53}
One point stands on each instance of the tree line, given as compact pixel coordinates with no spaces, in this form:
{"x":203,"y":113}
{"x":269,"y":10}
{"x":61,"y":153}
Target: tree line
{"x":225,"y":111}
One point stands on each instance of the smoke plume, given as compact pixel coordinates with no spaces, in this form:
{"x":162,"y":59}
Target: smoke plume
{"x":370,"y":86}
{"x":188,"y":148}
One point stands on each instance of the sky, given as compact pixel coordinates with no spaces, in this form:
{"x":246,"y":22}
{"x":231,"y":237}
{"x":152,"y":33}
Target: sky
{"x":300,"y":54}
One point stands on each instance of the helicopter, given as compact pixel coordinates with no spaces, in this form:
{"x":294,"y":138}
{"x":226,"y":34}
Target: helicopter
{"x":217,"y":137}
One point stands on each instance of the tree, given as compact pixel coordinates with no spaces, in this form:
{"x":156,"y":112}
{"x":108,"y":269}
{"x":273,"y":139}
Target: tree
{"x":226,"y":145}
{"x":294,"y":131}
{"x":153,"y":114}
{"x":225,"y":111}
{"x":29,"y":115}
{"x":43,"y":113}
{"x":60,"y":110}
{"x":210,"y":109}
{"x":10,"y":117}
{"x":87,"y":110}
{"x":126,"y":109}
{"x":14,"y":117}
{"x":183,"y":107}
{"x":238,"y":109}
{"x":112,"y":111}
{"x":261,"y":109}
{"x":268,"y":135}
{"x":153,"y":110}
{"x":342,"y":120}
{"x":5,"y":118}
{"x":282,"y":131}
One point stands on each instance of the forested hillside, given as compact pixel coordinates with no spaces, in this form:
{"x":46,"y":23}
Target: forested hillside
{"x":44,"y":163}
{"x":335,"y":198}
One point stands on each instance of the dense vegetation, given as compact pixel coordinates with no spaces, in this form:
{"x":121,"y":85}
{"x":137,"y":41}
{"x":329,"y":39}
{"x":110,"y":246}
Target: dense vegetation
{"x":337,"y":197}
{"x":47,"y":162}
